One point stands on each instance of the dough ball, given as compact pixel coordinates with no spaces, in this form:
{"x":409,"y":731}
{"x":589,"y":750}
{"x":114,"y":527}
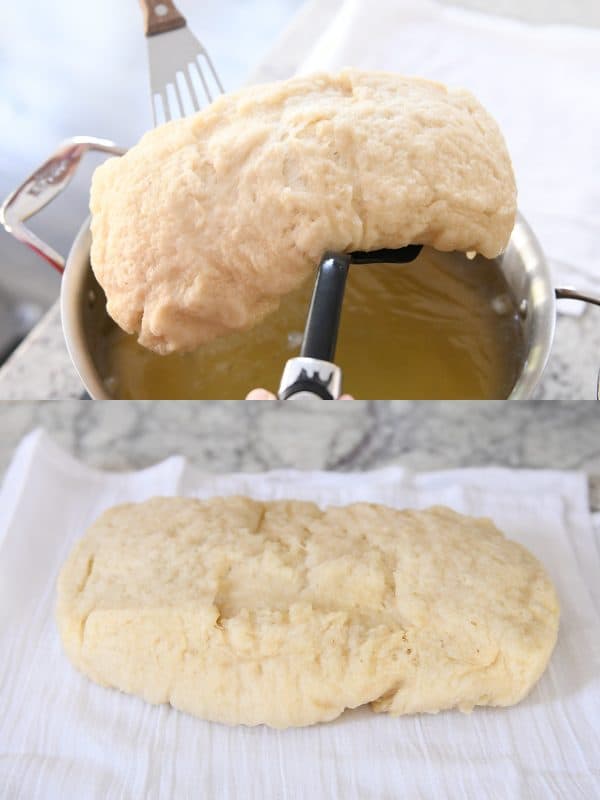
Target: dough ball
{"x":204,"y":224}
{"x":282,"y":613}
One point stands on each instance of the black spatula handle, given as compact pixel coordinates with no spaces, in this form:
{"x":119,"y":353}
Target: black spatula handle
{"x":402,"y":255}
{"x":320,"y":333}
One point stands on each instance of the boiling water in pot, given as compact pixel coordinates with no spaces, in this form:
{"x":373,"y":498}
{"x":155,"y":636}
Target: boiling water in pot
{"x":441,"y":327}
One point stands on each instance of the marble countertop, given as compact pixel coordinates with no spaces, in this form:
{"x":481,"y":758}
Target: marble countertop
{"x":41,"y":369}
{"x":220,"y":436}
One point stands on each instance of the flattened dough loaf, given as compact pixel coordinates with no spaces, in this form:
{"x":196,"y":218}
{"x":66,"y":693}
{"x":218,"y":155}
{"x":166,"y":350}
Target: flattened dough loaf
{"x":202,"y":226}
{"x":280,"y":613}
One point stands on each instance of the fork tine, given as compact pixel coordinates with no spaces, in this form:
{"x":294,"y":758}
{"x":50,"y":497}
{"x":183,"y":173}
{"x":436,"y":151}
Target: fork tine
{"x":164,"y":96}
{"x":213,"y":71}
{"x":198,"y":66}
{"x":180,"y":97}
{"x":159,"y":98}
{"x":195,"y":102}
{"x":193,"y":71}
{"x":173,"y":102}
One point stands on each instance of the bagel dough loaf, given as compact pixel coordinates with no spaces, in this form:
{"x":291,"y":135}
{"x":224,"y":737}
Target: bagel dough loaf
{"x":202,"y":226}
{"x":284,"y":614}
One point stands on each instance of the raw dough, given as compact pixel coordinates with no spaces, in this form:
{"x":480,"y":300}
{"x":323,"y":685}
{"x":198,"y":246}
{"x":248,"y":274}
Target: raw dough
{"x":284,"y":614}
{"x":202,"y":226}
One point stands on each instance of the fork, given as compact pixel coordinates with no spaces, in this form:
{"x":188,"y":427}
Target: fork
{"x":182,"y":76}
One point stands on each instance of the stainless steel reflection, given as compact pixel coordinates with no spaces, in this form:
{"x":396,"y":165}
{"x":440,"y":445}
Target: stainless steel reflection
{"x":80,"y":297}
{"x":527,"y":274}
{"x":43,"y":185}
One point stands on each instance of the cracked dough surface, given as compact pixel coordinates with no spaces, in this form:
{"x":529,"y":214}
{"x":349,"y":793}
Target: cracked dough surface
{"x":281,"y":613}
{"x":204,"y":224}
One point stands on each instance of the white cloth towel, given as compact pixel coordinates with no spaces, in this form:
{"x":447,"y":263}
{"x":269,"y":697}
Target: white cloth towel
{"x":541,"y":83}
{"x":62,"y":736}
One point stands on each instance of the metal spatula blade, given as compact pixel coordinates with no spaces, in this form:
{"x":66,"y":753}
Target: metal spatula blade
{"x":182,"y":76}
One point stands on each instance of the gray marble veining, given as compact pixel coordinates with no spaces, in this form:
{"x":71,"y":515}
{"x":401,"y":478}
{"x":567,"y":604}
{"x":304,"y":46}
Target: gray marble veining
{"x":220,"y":436}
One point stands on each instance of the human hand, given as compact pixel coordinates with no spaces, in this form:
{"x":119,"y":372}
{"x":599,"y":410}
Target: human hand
{"x":263,"y":394}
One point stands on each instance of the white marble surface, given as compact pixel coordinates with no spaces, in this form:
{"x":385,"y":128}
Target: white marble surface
{"x":220,"y":436}
{"x":41,"y":367}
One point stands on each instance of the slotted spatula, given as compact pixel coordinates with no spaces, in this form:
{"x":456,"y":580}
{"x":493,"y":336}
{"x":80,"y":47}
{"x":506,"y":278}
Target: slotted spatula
{"x":182,"y":76}
{"x":313,"y":373}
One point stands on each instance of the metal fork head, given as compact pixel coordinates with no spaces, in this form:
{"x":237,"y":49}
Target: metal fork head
{"x":182,"y":76}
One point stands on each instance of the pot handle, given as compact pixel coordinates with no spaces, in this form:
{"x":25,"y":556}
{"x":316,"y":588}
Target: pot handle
{"x":42,"y":186}
{"x":566,"y":293}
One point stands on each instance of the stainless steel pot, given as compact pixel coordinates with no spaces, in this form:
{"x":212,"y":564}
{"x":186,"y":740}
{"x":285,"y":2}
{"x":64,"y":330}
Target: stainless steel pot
{"x":82,"y":307}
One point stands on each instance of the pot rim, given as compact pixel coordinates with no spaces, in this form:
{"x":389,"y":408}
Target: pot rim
{"x":71,"y":290}
{"x":542,"y":311}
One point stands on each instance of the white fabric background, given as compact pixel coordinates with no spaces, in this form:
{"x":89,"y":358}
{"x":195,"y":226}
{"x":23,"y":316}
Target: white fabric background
{"x":541,"y":83}
{"x":62,"y":736}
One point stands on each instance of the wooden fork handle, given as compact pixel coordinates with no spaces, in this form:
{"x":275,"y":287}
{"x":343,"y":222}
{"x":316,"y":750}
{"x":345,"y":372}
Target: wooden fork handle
{"x":161,"y":16}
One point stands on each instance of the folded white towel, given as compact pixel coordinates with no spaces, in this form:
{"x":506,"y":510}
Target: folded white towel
{"x":62,"y":736}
